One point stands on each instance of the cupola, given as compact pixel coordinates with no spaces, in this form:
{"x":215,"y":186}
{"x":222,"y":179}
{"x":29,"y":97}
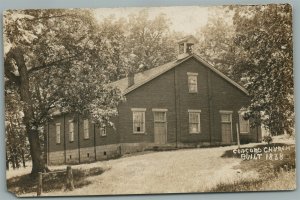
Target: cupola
{"x":185,"y":46}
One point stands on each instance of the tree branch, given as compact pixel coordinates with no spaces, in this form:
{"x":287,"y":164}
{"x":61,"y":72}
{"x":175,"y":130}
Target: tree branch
{"x":34,"y":69}
{"x":56,"y":61}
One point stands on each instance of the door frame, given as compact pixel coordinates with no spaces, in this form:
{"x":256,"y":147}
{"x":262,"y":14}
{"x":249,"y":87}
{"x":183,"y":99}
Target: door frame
{"x":163,"y":110}
{"x":226,"y":112}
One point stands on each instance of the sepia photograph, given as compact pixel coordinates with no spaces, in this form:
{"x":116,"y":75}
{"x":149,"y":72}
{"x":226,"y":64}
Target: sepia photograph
{"x":149,"y":100}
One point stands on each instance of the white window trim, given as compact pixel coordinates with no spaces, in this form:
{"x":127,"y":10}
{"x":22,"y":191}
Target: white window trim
{"x":225,"y":111}
{"x":144,"y":119}
{"x":159,"y":110}
{"x":199,"y":120}
{"x":138,"y":109}
{"x":71,"y":139}
{"x":86,"y":132}
{"x":191,"y":110}
{"x":57,"y":139}
{"x":190,"y":74}
{"x":242,"y":110}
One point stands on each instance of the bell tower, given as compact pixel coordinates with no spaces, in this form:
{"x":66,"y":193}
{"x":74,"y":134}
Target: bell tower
{"x":185,"y":46}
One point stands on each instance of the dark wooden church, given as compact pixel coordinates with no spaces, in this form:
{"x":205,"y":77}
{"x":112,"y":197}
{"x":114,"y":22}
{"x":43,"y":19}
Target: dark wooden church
{"x":183,"y":103}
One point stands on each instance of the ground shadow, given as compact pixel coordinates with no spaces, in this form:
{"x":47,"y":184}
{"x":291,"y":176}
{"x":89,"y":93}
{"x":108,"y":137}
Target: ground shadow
{"x":51,"y":182}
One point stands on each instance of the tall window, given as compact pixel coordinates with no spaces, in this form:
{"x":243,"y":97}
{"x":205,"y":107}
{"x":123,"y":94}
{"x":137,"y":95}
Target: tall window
{"x":192,"y":82}
{"x":103,"y":131}
{"x":244,"y":124}
{"x":138,"y":120}
{"x":194,"y":121}
{"x":57,"y":128}
{"x":71,"y":130}
{"x":86,"y":129}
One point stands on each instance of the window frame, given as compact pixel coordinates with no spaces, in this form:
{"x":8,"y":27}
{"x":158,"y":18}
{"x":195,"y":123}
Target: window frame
{"x":71,"y":133}
{"x":102,"y":130}
{"x":247,"y":121}
{"x":160,"y":110}
{"x":58,"y":133}
{"x":192,"y":75}
{"x":226,"y":112}
{"x":86,"y":130}
{"x":198,"y":112}
{"x":139,"y":110}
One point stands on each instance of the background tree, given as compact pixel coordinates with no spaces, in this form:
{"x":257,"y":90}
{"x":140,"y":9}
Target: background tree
{"x":112,"y":32}
{"x":149,"y":42}
{"x":16,"y":143}
{"x":137,"y":43}
{"x":265,"y":63}
{"x":216,"y":41}
{"x":253,"y":46}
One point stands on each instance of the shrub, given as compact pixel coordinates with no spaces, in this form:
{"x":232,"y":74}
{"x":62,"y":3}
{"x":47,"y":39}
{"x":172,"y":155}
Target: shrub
{"x":268,"y":139}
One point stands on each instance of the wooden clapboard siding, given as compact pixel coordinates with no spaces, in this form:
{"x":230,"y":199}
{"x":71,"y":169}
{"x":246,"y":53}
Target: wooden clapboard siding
{"x":167,"y":90}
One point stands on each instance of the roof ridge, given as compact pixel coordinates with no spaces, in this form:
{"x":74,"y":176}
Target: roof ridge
{"x":122,"y":83}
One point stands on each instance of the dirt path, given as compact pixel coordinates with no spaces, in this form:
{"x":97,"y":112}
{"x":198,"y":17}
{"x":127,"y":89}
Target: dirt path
{"x":193,"y":170}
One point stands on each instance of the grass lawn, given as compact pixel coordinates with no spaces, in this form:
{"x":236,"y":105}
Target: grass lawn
{"x":273,"y":174}
{"x":216,"y":169}
{"x":26,"y":184}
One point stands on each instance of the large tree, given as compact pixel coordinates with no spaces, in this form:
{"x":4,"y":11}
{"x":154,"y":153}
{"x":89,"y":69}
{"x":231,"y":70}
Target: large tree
{"x":265,"y":63}
{"x":55,"y":59}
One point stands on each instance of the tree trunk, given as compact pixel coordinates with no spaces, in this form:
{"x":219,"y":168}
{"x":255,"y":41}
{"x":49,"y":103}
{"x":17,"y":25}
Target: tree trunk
{"x":38,"y":164}
{"x":16,"y":157}
{"x":23,"y":158}
{"x":45,"y":149}
{"x":17,"y":161}
{"x":13,"y":161}
{"x":7,"y":161}
{"x":32,"y":133}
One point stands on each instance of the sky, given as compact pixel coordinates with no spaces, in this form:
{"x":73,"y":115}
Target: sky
{"x":186,"y":19}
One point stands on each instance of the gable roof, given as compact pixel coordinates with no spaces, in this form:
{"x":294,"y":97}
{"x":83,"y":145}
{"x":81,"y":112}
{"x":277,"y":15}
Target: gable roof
{"x":143,"y":77}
